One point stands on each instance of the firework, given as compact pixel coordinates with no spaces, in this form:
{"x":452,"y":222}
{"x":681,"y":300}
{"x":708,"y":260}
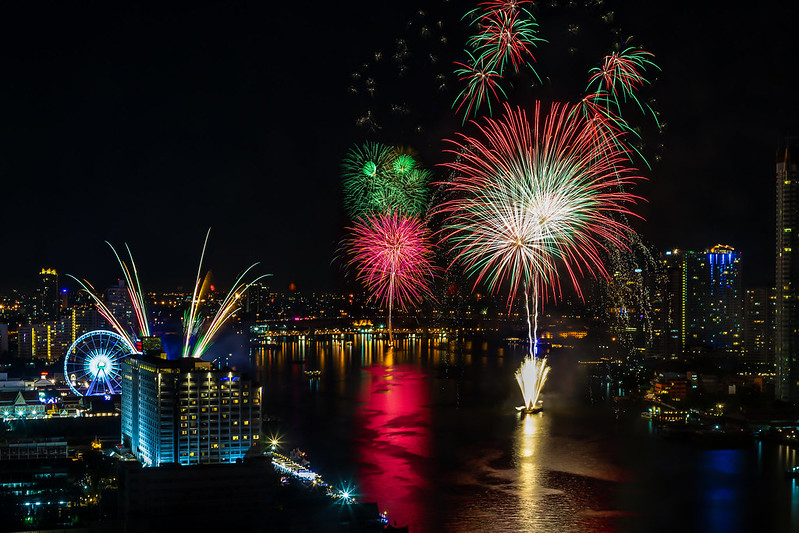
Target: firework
{"x":621,"y":76}
{"x":392,"y":256}
{"x":509,"y":7}
{"x":526,"y":198}
{"x":506,"y":36}
{"x":531,"y":376}
{"x":482,"y":85}
{"x":106,"y":313}
{"x":379,"y":178}
{"x":196,"y":336}
{"x":134,"y":290}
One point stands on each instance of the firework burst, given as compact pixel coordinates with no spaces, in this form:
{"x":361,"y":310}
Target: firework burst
{"x":379,"y":178}
{"x":482,"y":86}
{"x":392,"y":256}
{"x":507,"y":36}
{"x":620,"y":77}
{"x":526,"y":198}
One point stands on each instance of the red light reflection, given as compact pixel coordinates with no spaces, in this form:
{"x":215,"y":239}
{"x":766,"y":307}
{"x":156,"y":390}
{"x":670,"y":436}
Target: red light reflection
{"x":393,"y":444}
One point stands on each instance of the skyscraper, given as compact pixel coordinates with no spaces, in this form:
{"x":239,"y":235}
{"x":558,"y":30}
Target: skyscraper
{"x":187,"y":411}
{"x":713,"y":308}
{"x":704,"y":302}
{"x":47,"y":299}
{"x":786,"y":312}
{"x":759,"y":326}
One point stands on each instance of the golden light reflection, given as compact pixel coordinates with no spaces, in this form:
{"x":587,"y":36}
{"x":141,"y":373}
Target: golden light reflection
{"x":388,"y":356}
{"x":530,"y":470}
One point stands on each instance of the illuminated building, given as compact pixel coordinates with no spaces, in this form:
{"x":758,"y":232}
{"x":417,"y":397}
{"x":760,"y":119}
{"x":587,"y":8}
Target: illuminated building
{"x":48,"y":297}
{"x":50,"y":340}
{"x":671,"y":384}
{"x":668,"y":306}
{"x":713,"y":308}
{"x":759,"y":326}
{"x":705,"y":301}
{"x":187,"y":411}
{"x":36,"y":341}
{"x":786,"y":311}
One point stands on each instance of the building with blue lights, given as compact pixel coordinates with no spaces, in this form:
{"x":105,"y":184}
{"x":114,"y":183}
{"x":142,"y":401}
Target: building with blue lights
{"x":704,"y":302}
{"x":187,"y":411}
{"x":714,"y":298}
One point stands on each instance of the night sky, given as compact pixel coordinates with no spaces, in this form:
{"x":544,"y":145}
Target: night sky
{"x":148,"y":126}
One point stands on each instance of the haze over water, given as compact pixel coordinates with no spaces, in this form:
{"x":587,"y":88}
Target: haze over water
{"x":429,"y":431}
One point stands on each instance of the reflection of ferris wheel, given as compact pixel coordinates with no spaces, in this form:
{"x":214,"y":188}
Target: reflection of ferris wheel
{"x":93,"y":365}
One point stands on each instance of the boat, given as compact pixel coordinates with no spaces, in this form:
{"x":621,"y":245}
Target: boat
{"x":792,"y":472}
{"x":539,"y":406}
{"x":300,"y":457}
{"x":313,"y":373}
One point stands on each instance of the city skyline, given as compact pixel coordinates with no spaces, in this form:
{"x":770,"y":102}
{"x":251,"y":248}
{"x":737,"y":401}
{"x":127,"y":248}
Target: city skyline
{"x":147,"y":128}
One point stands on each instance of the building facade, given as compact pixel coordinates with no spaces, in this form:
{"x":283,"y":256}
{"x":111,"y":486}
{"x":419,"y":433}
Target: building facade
{"x":702,"y":308}
{"x":713,"y":308}
{"x":759,"y":326}
{"x":47,"y":301}
{"x":187,"y":411}
{"x":786,"y":310}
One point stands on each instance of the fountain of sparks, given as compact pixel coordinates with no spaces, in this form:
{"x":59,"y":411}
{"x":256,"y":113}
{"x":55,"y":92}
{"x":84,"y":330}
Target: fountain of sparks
{"x":531,"y":377}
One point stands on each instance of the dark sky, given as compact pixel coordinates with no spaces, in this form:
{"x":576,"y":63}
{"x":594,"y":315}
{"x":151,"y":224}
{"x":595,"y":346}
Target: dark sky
{"x":133,"y":124}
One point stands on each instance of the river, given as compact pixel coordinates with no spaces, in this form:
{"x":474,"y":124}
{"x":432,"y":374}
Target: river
{"x":429,"y":431}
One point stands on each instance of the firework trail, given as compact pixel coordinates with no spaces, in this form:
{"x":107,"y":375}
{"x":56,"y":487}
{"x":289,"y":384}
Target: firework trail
{"x":134,"y":290}
{"x":134,"y":293}
{"x":528,"y":198}
{"x":106,"y":313}
{"x":392,"y":256}
{"x":197,"y":337}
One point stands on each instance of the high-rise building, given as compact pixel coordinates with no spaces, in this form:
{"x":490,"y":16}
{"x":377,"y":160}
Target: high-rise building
{"x":47,"y":299}
{"x":704,"y":302}
{"x":187,"y":411}
{"x":36,"y":341}
{"x":759,"y":326}
{"x":257,"y":301}
{"x":668,"y":306}
{"x":786,"y":311}
{"x":713,"y":309}
{"x":51,"y":340}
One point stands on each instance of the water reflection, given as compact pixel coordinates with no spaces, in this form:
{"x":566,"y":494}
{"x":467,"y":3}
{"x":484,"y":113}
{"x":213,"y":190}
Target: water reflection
{"x":393,"y":440}
{"x":429,"y":431}
{"x":528,"y":463}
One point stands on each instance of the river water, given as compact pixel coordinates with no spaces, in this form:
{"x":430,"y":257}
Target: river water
{"x":429,"y":430}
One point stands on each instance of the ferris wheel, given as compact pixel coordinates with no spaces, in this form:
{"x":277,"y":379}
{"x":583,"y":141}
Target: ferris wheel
{"x":93,"y":365}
